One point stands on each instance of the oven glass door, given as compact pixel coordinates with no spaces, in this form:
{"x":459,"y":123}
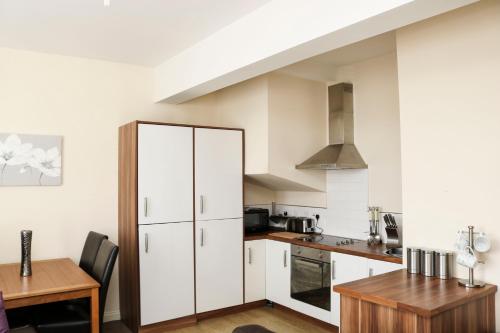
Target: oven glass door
{"x":310,"y":282}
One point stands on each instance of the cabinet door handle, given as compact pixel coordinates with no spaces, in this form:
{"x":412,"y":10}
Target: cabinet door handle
{"x":202,"y":204}
{"x":146,"y":242}
{"x":284,"y":258}
{"x":145,"y":206}
{"x":249,"y":256}
{"x":202,"y":237}
{"x":333,"y":269}
{"x":370,"y":271}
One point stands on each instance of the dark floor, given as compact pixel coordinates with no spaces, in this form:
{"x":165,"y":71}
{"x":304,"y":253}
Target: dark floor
{"x":115,"y":327}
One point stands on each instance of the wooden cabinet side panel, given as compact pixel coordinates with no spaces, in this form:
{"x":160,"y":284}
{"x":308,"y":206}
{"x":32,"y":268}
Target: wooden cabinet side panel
{"x":377,"y":318}
{"x":349,"y":314}
{"x":127,"y":226}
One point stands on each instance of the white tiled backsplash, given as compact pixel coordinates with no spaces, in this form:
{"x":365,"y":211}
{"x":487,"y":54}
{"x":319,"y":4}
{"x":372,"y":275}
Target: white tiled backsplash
{"x":347,"y":206}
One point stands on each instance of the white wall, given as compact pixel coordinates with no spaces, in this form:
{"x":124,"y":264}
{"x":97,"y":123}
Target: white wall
{"x":84,"y":101}
{"x":449,"y":74}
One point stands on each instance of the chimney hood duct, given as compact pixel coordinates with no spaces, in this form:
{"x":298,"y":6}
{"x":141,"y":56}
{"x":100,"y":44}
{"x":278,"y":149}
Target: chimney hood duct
{"x":341,"y":153}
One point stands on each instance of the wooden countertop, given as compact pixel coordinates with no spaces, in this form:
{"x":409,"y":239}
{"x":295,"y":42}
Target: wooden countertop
{"x":413,"y":292}
{"x":360,"y":249}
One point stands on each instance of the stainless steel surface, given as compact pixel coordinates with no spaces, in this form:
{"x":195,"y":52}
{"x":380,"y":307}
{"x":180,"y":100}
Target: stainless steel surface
{"x":311,"y":276}
{"x":311,"y":253}
{"x":202,"y":237}
{"x":145,"y":206}
{"x":146,"y":242}
{"x":395,"y":252}
{"x":341,"y":153}
{"x":278,"y":222}
{"x":413,"y":260}
{"x":249,"y":255}
{"x":444,"y":264}
{"x":202,"y":208}
{"x":333,"y":269}
{"x":391,"y":230}
{"x":471,"y":282}
{"x":427,"y":262}
{"x":285,"y":254}
{"x":374,"y":237}
{"x":301,"y":225}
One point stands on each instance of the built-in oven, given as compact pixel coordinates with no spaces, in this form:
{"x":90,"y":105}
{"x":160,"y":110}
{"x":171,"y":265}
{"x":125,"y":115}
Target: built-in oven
{"x":310,"y":278}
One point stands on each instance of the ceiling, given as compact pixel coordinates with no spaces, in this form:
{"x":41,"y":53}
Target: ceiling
{"x":142,"y":32}
{"x":323,"y":67}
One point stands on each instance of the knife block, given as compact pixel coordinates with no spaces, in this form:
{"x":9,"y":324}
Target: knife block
{"x":392,"y":237}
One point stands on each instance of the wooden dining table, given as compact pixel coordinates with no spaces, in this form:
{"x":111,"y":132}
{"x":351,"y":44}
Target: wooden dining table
{"x":52,"y":281}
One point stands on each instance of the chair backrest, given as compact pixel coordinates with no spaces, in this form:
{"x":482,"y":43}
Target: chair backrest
{"x":89,"y":253}
{"x":103,"y":269}
{"x":4,"y":325}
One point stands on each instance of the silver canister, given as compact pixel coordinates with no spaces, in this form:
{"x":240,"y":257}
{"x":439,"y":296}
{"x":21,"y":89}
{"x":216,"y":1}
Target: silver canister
{"x":444,"y":264}
{"x":427,"y":262}
{"x":413,"y":260}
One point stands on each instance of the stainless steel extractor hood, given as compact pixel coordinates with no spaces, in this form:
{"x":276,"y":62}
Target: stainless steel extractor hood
{"x":341,"y":153}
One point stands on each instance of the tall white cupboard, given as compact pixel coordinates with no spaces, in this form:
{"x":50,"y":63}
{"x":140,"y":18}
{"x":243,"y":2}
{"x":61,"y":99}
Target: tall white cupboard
{"x":180,"y":222}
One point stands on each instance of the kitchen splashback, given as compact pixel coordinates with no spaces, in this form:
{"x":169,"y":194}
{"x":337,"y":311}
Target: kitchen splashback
{"x":346,"y":213}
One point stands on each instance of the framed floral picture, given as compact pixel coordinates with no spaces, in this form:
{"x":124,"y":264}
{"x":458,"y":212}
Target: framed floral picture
{"x":30,"y":160}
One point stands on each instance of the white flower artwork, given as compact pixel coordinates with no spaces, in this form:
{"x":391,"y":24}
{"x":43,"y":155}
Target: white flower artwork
{"x":30,"y":160}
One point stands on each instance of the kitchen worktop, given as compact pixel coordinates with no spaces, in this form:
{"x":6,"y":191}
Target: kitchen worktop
{"x":359,"y":248}
{"x":412,"y":292}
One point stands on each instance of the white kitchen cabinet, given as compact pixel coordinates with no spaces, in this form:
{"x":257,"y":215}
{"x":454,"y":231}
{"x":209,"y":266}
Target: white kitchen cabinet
{"x":218,"y":174}
{"x":166,"y":271}
{"x":377,"y":267}
{"x":255,"y":270}
{"x":278,"y":272}
{"x":165,"y":174}
{"x":345,"y":268}
{"x":219,"y":264}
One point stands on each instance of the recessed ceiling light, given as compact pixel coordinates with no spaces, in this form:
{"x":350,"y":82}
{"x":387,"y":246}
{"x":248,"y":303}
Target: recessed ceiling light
{"x":107,"y":3}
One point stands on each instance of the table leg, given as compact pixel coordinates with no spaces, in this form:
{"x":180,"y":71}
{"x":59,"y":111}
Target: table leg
{"x":94,"y":310}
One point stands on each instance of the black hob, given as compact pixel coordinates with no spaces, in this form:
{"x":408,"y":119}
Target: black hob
{"x":328,"y":240}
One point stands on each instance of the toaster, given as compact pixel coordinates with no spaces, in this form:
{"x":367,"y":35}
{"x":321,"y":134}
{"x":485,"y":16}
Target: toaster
{"x":301,"y":225}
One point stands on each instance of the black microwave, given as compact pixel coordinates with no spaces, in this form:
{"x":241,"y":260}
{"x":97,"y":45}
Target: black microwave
{"x":256,"y":220}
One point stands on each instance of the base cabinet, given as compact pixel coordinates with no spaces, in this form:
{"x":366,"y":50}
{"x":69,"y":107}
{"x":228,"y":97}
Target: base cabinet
{"x":255,"y":270}
{"x":377,"y":267}
{"x":345,"y":268}
{"x":278,"y":272}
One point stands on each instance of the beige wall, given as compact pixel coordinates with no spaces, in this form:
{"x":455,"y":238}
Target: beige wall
{"x":449,"y":74}
{"x":377,"y":135}
{"x":245,"y":105}
{"x":376,"y":126}
{"x":297,"y":127}
{"x":84,"y":101}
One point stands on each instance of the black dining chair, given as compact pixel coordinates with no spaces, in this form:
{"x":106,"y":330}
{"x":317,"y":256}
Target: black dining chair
{"x":75,"y":317}
{"x":89,"y":252}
